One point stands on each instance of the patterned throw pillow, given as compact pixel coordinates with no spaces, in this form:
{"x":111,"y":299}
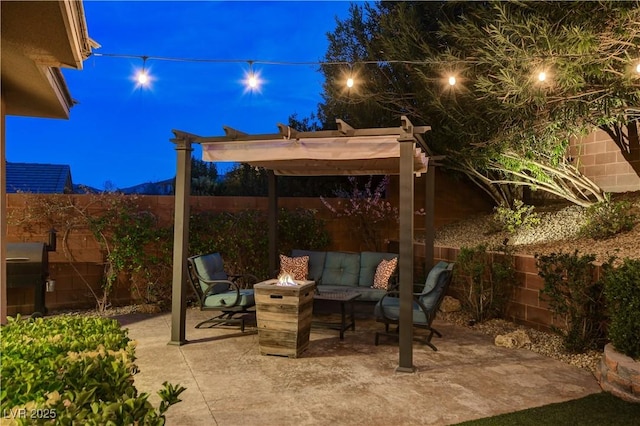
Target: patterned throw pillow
{"x":297,"y":267}
{"x":383,"y":273}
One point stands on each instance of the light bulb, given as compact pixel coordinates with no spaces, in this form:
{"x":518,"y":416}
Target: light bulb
{"x":350,"y":82}
{"x":143,"y":78}
{"x":542,"y":76}
{"x":452,"y":81}
{"x":638,"y":68}
{"x":253,"y":81}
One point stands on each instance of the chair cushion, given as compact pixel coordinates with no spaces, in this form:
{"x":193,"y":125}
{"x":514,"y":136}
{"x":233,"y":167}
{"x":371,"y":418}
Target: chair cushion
{"x":392,"y":310}
{"x":297,"y":267}
{"x":369,"y":261}
{"x":316,"y":262}
{"x":226,"y":299}
{"x":383,"y":272}
{"x":341,"y":268}
{"x":432,"y":278}
{"x":431,"y":298}
{"x":211,"y":267}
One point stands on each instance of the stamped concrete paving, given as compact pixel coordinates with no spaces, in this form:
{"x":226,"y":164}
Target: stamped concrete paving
{"x":349,"y":382}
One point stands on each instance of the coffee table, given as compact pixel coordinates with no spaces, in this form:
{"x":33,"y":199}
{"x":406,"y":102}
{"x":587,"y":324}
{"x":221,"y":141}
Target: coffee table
{"x":344,"y":298}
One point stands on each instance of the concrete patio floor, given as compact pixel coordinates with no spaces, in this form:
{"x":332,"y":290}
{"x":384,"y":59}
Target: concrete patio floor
{"x":348,"y":382}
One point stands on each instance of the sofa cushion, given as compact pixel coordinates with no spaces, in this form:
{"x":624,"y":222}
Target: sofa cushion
{"x":316,"y":263}
{"x":369,"y":261}
{"x":297,"y":267}
{"x":341,"y":268}
{"x":385,"y":269}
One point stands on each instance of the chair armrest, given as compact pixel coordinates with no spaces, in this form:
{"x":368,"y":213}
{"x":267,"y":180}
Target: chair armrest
{"x":247,"y":279}
{"x":212,"y":284}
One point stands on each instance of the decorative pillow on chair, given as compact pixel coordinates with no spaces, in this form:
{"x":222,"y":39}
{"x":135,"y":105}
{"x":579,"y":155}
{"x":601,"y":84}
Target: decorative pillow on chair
{"x":383,"y":273}
{"x":297,"y":267}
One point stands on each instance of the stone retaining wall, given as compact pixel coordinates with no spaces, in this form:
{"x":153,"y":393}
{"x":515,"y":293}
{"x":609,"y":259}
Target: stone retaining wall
{"x":619,"y":375}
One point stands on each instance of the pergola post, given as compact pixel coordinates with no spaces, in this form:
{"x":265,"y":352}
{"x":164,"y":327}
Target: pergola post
{"x":272,"y":220}
{"x":405,"y":255}
{"x":429,"y":218}
{"x":180,"y":240}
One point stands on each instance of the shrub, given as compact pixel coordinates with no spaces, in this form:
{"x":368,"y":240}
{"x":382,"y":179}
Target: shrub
{"x":511,"y":219}
{"x":572,"y":292}
{"x":241,"y":238}
{"x":486,"y":280}
{"x":607,"y":218}
{"x":74,"y":370}
{"x":622,"y":291}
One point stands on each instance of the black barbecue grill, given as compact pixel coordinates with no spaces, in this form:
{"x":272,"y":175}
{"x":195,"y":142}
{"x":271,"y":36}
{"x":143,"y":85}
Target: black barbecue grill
{"x":28,"y":266}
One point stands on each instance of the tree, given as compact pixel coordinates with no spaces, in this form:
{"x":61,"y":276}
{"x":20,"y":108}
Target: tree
{"x":204,"y":177}
{"x":499,"y":126}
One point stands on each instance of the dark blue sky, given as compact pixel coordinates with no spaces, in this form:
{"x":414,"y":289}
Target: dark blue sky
{"x":120,"y":134}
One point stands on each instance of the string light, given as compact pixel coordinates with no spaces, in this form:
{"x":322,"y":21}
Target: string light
{"x":142,"y":77}
{"x":253,"y":81}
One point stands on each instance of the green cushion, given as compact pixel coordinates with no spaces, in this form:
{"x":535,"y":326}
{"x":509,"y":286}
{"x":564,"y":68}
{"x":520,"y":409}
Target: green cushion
{"x":227,"y":299}
{"x":369,"y":262}
{"x":316,"y":262}
{"x":392,"y":310}
{"x":210,"y":266}
{"x":432,"y":278}
{"x":430,"y":299}
{"x":341,"y":268}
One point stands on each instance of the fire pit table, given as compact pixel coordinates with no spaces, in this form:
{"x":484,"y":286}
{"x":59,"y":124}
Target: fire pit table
{"x":343,"y":298}
{"x":283,"y":314}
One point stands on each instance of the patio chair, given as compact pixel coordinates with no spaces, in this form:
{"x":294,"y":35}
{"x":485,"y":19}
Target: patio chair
{"x":218,"y":291}
{"x":425,"y":305}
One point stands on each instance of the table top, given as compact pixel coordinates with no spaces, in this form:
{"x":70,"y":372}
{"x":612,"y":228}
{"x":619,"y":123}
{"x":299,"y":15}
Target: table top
{"x":343,"y":296}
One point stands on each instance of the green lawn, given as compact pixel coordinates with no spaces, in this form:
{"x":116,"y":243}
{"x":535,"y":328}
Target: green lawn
{"x":597,"y":409}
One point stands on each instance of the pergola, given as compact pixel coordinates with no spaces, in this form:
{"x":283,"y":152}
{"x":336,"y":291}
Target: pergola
{"x":345,"y":151}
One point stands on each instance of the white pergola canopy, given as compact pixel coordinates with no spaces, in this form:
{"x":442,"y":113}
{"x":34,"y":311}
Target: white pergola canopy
{"x":345,"y":151}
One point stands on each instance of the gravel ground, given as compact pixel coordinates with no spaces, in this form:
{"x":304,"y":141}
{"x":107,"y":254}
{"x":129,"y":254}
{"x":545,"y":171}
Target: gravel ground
{"x":541,"y":342}
{"x":557,"y":231}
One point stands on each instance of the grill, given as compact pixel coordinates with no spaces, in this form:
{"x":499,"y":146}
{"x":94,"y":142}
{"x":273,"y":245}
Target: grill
{"x":28,"y":266}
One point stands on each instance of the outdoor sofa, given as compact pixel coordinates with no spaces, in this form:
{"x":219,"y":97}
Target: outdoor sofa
{"x":349,"y":272}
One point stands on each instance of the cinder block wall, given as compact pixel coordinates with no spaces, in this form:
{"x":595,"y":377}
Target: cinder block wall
{"x":600,"y":159}
{"x":526,"y":306}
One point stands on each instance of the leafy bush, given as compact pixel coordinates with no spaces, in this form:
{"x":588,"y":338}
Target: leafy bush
{"x":607,"y":218}
{"x":301,"y":229}
{"x":135,"y":245}
{"x":572,"y":292}
{"x":622,"y":292}
{"x":241,"y":238}
{"x":486,"y":280}
{"x":511,"y":219}
{"x":74,"y":370}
